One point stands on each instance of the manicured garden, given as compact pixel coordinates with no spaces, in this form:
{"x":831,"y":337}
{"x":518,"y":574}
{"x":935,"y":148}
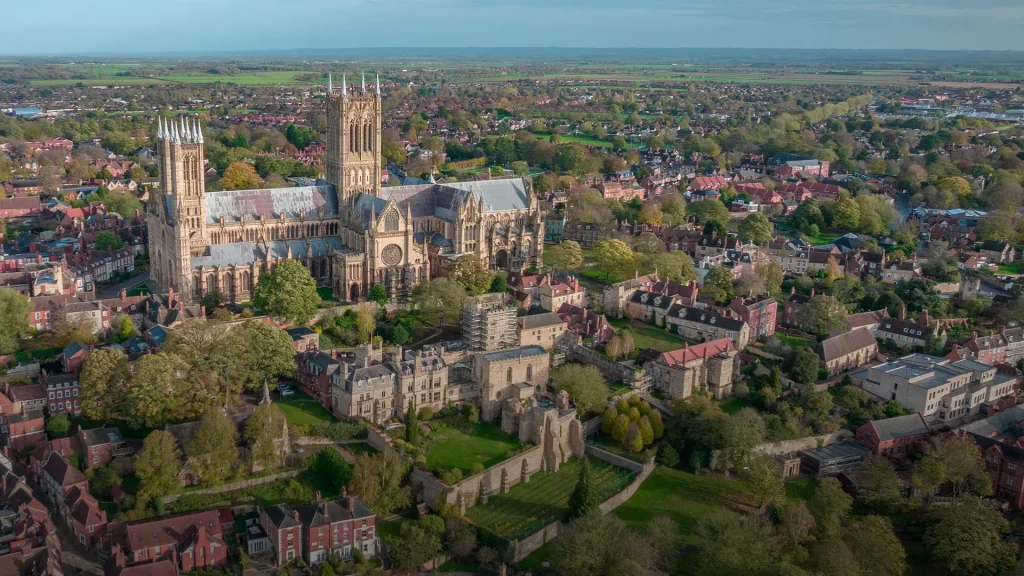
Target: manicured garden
{"x":468,"y":444}
{"x":1015,"y":268}
{"x":681,"y":496}
{"x":302,"y":410}
{"x":527,"y":507}
{"x":794,"y":341}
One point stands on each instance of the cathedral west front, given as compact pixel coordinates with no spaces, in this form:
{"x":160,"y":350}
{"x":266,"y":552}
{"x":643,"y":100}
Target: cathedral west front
{"x":350,"y":232}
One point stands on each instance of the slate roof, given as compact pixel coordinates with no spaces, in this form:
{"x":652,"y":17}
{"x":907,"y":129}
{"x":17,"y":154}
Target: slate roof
{"x":232,"y":205}
{"x":324,"y":513}
{"x":836,"y":451}
{"x":100,"y":436}
{"x":904,"y":328}
{"x":281,"y":515}
{"x":515,"y":353}
{"x":445,"y":200}
{"x":845,"y":343}
{"x":706,"y":317}
{"x":61,"y":471}
{"x":653,"y":299}
{"x":540,"y":321}
{"x":245,"y":253}
{"x":899,"y":427}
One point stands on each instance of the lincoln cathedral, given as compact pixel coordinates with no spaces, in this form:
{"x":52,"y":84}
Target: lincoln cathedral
{"x":350,"y":232}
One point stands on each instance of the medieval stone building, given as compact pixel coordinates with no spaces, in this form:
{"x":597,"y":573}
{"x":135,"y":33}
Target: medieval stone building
{"x":349,"y":231}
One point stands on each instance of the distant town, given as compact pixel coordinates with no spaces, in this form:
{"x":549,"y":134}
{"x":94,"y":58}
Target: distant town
{"x":296,"y":318}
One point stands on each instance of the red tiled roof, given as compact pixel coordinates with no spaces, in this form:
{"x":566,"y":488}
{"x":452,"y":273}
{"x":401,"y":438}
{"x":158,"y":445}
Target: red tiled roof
{"x":691,"y":353}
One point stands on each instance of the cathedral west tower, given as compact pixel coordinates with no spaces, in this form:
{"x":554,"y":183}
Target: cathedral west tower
{"x":353,"y":156}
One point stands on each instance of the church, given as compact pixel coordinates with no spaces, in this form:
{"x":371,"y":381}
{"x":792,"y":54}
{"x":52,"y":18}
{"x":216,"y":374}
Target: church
{"x":349,"y":231}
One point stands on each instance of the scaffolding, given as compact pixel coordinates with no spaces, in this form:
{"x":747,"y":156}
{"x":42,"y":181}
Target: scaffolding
{"x":489,"y":323}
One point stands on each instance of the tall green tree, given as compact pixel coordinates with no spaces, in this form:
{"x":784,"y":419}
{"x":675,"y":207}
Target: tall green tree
{"x":103,"y":383}
{"x":584,"y":498}
{"x":470,"y":272}
{"x":756,"y":229}
{"x":829,"y":505}
{"x":14,"y":311}
{"x":585,"y":385}
{"x":158,"y":466}
{"x":213,"y":449}
{"x":378,"y":480}
{"x":765,"y":482}
{"x":378,"y":294}
{"x":151,"y":398}
{"x":822,"y":315}
{"x":256,"y":352}
{"x":288,"y":291}
{"x":614,"y":257}
{"x":441,"y":297}
{"x":565,"y":256}
{"x":718,"y":285}
{"x":107,"y":240}
{"x":705,"y":211}
{"x":968,"y":538}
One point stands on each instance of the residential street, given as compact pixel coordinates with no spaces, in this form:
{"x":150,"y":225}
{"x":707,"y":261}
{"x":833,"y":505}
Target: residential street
{"x":115,"y":290}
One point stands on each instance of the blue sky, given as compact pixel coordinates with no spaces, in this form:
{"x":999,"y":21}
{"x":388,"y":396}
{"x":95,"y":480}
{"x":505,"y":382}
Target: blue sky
{"x":74,"y":26}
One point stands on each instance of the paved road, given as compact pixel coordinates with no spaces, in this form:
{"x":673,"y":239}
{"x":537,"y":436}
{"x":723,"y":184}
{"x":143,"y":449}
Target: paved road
{"x":115,"y":290}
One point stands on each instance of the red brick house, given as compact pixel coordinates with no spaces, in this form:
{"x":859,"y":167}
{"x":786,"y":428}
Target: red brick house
{"x":194,"y":540}
{"x":23,"y":429}
{"x":19,"y":207}
{"x":83,"y":517}
{"x":101,"y":445}
{"x":586,"y":323}
{"x":62,"y":393}
{"x":314,"y":370}
{"x":759,"y":312}
{"x":26,"y":520}
{"x":895,"y":437}
{"x":1005,"y":466}
{"x":282,"y":525}
{"x":73,"y":357}
{"x":58,"y":478}
{"x":792,"y":307}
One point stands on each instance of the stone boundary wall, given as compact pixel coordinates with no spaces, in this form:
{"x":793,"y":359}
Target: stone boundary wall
{"x":614,"y":459}
{"x":235,"y":485}
{"x":613,"y":371}
{"x":527,"y":545}
{"x":787,"y":446}
{"x":321,"y":441}
{"x":590,"y":427}
{"x":518,"y":468}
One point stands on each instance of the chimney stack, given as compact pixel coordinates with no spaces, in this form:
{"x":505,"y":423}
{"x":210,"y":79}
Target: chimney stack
{"x":351,"y":503}
{"x":295,"y":513}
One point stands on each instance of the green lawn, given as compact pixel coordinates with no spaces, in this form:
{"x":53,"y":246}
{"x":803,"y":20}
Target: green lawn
{"x":794,"y":341}
{"x":1013,"y":268}
{"x":140,"y":291}
{"x":801,"y":489}
{"x":614,"y":447}
{"x":565,"y":138}
{"x":529,"y":506}
{"x":600,"y":276}
{"x":681,"y":496}
{"x":821,"y":239}
{"x":660,"y":340}
{"x":452,"y":447}
{"x":532,"y":563}
{"x":732,"y":404}
{"x":301,"y":410}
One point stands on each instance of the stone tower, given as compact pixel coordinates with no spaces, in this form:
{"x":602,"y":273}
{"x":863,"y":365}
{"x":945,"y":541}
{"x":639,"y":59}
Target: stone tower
{"x":177,"y":218}
{"x":353,"y":139}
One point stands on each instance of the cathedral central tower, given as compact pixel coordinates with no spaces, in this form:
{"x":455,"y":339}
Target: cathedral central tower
{"x":353,"y":139}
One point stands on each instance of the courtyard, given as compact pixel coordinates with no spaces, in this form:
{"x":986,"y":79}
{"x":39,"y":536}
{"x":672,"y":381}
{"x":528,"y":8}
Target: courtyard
{"x":463,"y":445}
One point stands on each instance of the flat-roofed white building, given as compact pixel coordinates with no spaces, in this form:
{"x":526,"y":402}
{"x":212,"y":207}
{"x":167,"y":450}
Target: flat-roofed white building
{"x":938,"y":388}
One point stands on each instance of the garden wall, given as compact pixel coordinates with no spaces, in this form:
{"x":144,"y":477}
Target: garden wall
{"x":235,"y":485}
{"x":787,"y":446}
{"x":498,"y":478}
{"x":527,"y":545}
{"x":612,"y":370}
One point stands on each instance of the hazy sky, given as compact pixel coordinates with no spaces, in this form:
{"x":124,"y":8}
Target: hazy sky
{"x":72,"y":26}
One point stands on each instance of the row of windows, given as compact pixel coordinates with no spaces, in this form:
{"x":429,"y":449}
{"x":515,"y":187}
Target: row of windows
{"x":60,"y":393}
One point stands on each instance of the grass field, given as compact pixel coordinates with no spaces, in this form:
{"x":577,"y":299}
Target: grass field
{"x":1014,"y":268}
{"x":107,"y":78}
{"x":801,"y":489}
{"x":600,"y":276}
{"x":594,"y":142}
{"x":301,"y":410}
{"x":821,"y":239}
{"x":794,"y":341}
{"x":461,"y":448}
{"x":681,"y":496}
{"x":527,"y":507}
{"x":651,"y":337}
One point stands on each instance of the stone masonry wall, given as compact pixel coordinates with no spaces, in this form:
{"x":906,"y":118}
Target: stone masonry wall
{"x":787,"y":446}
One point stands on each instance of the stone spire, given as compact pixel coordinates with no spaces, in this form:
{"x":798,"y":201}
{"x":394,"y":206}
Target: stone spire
{"x":266,"y":393}
{"x":344,"y":89}
{"x":174,"y":133}
{"x":198,"y":129}
{"x":364,"y":82}
{"x":378,"y":84}
{"x":185,"y":134}
{"x":159,"y":128}
{"x":330,"y":87}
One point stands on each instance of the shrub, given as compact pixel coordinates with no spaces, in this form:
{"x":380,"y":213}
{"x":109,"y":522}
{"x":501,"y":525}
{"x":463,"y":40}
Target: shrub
{"x":470,"y":412}
{"x":426,"y":413}
{"x":667,"y":455}
{"x":476,"y":469}
{"x":452,"y":477}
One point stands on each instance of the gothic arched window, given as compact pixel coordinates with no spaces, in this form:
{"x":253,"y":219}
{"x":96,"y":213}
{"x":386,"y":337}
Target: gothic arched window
{"x":529,"y":373}
{"x":509,"y":378}
{"x":391,"y":222}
